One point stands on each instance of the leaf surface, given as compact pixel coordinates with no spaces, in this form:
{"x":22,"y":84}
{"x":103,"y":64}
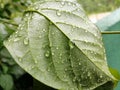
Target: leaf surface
{"x":60,"y":47}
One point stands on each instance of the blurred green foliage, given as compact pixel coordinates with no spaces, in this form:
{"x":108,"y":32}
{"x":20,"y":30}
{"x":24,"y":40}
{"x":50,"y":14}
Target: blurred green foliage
{"x":96,"y":6}
{"x":10,"y":16}
{"x":11,"y":75}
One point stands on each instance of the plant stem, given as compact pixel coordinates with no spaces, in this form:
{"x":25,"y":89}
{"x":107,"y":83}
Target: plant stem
{"x":7,"y":22}
{"x":110,"y":32}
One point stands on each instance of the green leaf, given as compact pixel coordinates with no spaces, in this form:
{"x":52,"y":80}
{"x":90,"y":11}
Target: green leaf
{"x":60,"y":47}
{"x":4,"y":68}
{"x":116,"y":74}
{"x":6,"y":81}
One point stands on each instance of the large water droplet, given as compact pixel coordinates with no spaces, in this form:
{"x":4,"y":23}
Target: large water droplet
{"x":47,"y":53}
{"x":26,"y":41}
{"x":58,"y":13}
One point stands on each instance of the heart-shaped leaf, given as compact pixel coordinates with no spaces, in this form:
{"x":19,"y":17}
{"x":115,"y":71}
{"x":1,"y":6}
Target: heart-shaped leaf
{"x":60,"y":47}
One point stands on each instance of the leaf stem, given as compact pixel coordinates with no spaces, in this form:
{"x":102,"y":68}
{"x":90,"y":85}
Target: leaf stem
{"x":110,"y":32}
{"x":7,"y":22}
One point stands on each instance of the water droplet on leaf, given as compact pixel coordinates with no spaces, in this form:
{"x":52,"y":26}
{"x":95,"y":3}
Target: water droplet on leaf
{"x":47,"y":53}
{"x":66,"y":69}
{"x":27,"y":15}
{"x":74,"y":79}
{"x":63,"y":3}
{"x":79,"y":63}
{"x":69,"y":3}
{"x":44,"y":30}
{"x":39,"y":36}
{"x":26,"y":41}
{"x":58,"y":13}
{"x":101,"y":76}
{"x":36,"y":61}
{"x":20,"y":59}
{"x":57,"y":48}
{"x":53,"y":53}
{"x":36,"y":7}
{"x":71,"y":45}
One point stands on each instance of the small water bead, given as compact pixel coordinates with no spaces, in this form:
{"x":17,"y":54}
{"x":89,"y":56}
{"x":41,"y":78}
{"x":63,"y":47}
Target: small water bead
{"x":53,"y":33}
{"x":19,"y":59}
{"x":95,"y":35}
{"x":26,"y":41}
{"x":21,"y":28}
{"x":40,"y":37}
{"x":36,"y":7}
{"x":77,"y":4}
{"x":58,"y":13}
{"x":16,"y":32}
{"x":71,"y":45}
{"x":48,"y":69}
{"x":69,"y":3}
{"x":101,"y":76}
{"x":57,"y":48}
{"x":44,"y":30}
{"x":66,"y":69}
{"x":27,"y":15}
{"x":88,"y":74}
{"x":74,"y":5}
{"x":47,"y":53}
{"x":74,"y":79}
{"x":9,"y":40}
{"x":36,"y":61}
{"x":64,"y":76}
{"x":79,"y":63}
{"x":53,"y":53}
{"x":63,"y":3}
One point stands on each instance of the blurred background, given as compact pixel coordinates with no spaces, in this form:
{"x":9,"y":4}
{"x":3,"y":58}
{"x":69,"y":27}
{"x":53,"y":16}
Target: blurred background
{"x":104,"y":13}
